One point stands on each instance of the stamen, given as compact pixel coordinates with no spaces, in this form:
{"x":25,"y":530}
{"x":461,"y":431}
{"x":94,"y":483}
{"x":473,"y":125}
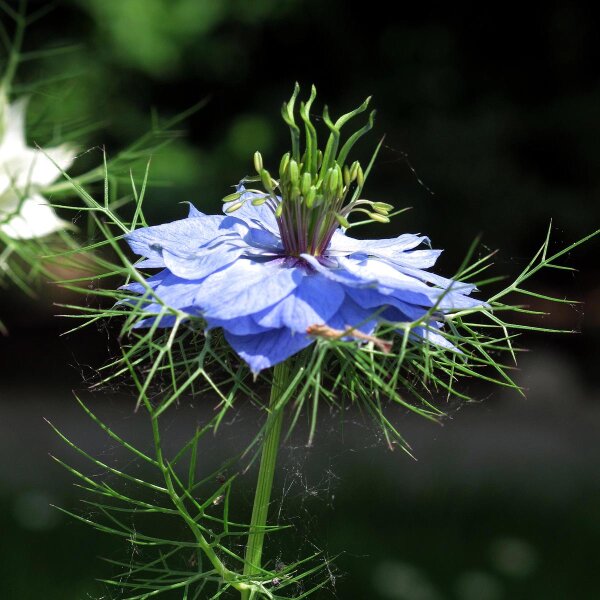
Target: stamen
{"x":316,"y":192}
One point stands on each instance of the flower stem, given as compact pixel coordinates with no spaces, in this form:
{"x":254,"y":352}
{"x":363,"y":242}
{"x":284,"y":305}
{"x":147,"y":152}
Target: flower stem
{"x":262,"y":496}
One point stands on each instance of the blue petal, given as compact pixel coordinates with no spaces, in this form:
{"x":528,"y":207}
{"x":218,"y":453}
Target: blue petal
{"x":372,"y":300}
{"x":352,"y":315}
{"x":337,"y":274}
{"x":203,"y":262}
{"x":173,"y":291}
{"x":393,"y":281}
{"x":245,"y":325}
{"x":314,"y":301}
{"x":246,"y":287}
{"x":264,"y":350}
{"x":391,"y":247}
{"x":183,"y":236}
{"x":419,"y":259}
{"x":194,"y":212}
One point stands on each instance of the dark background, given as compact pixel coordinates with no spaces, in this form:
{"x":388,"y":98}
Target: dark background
{"x":492,"y":128}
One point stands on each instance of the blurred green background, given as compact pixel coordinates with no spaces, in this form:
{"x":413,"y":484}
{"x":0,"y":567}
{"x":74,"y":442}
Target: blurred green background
{"x":492,"y":127}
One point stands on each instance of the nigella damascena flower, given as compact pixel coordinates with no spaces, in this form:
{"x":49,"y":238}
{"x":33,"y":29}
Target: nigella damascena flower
{"x":277,"y":264}
{"x":24,"y":173}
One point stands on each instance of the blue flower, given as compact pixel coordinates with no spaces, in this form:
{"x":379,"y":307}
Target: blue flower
{"x":235,"y":273}
{"x":278,"y":264}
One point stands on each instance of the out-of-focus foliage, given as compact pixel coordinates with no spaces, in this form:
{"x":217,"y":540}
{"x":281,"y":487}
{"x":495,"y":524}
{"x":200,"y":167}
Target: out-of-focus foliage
{"x":496,"y":115}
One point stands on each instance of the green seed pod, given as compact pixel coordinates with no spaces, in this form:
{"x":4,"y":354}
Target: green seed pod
{"x":294,"y":172}
{"x":340,"y":180}
{"x":258,"y":162}
{"x":309,"y":198}
{"x":265,"y":177}
{"x":319,"y":159}
{"x":232,"y":197}
{"x":347,"y":178}
{"x":382,"y":207}
{"x":306,"y":184}
{"x":285,"y":160}
{"x":342,"y":220}
{"x":279,"y":209}
{"x":360,"y":177}
{"x":234,"y":207}
{"x":334,"y":179}
{"x":378,"y":218}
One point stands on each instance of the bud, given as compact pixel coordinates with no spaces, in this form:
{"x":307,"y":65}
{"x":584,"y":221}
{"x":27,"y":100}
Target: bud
{"x":294,"y":171}
{"x":258,"y":162}
{"x":342,"y":220}
{"x":259,"y":201}
{"x":360,"y":176}
{"x":326,"y":178}
{"x":234,"y":207}
{"x":347,"y":179}
{"x":285,"y":159}
{"x":265,"y":177}
{"x":306,"y":183}
{"x":378,"y":218}
{"x":333,"y":181}
{"x":354,"y":170}
{"x":309,"y":198}
{"x":319,"y":159}
{"x":232,"y":197}
{"x":381,"y":207}
{"x":279,"y":209}
{"x":340,"y":180}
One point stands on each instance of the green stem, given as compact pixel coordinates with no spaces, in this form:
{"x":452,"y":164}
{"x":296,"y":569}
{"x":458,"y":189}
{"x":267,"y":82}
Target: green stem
{"x":264,"y":485}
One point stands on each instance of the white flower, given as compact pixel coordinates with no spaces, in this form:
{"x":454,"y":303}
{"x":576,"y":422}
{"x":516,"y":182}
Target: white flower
{"x":24,"y":173}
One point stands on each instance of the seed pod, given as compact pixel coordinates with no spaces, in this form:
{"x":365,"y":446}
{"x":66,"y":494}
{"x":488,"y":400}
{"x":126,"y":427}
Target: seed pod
{"x":234,"y":207}
{"x":267,"y":181}
{"x":347,"y":179}
{"x":232,"y":197}
{"x":285,"y":160}
{"x":334,"y":178}
{"x":306,"y":183}
{"x":294,"y":171}
{"x":360,"y":177}
{"x":342,"y":220}
{"x":382,"y":207}
{"x":258,"y":162}
{"x":309,"y":198}
{"x":378,"y":218}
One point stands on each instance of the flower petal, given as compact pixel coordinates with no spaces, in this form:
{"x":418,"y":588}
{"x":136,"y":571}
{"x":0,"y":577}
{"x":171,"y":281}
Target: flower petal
{"x":264,"y":350}
{"x":256,"y":216}
{"x":183,"y":237}
{"x":314,"y":301}
{"x":35,"y":219}
{"x":13,"y":130}
{"x":350,"y":314}
{"x":204,"y":262}
{"x":341,"y":244}
{"x":246,"y":287}
{"x":405,"y":287}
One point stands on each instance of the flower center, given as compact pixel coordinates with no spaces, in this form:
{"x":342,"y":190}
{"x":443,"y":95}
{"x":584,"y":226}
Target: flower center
{"x":316,"y":191}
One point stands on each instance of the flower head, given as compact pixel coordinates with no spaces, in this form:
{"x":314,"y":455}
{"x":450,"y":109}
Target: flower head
{"x":24,"y":173}
{"x":279,"y":261}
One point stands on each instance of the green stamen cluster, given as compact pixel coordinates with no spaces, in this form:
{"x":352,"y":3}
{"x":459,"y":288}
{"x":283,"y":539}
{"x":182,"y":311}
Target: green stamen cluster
{"x":316,"y":191}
